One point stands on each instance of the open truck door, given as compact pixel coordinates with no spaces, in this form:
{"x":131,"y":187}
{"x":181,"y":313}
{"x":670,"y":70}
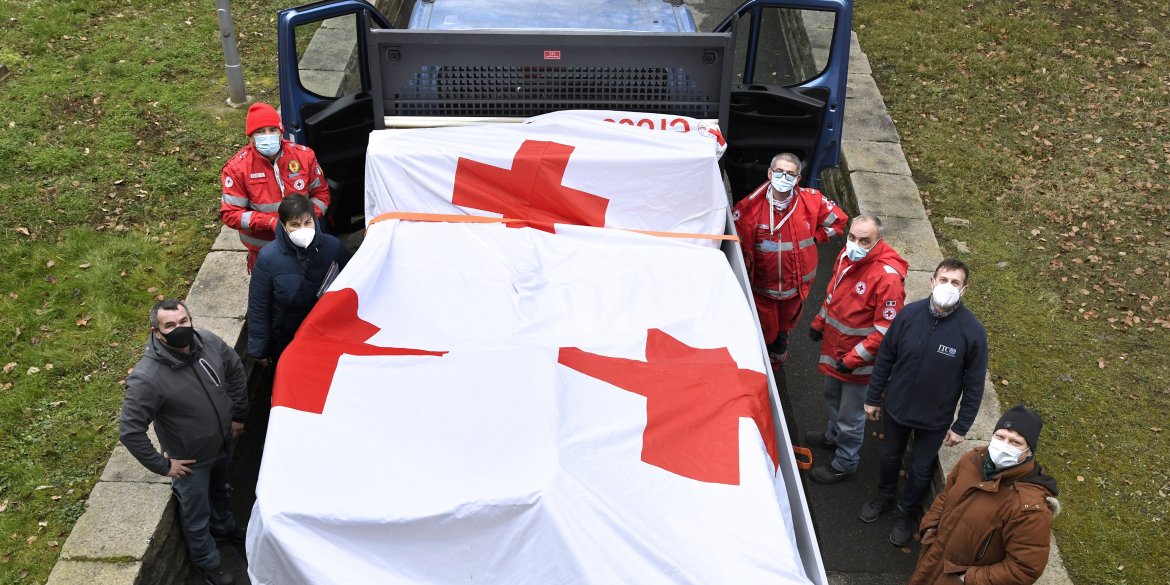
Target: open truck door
{"x":788,"y":90}
{"x":345,"y":71}
{"x":325,"y":94}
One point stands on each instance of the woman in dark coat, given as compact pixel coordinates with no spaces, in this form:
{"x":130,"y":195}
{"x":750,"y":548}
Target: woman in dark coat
{"x":288,"y":278}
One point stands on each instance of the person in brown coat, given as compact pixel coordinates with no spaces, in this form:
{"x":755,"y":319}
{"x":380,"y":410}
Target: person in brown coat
{"x":991,"y":524}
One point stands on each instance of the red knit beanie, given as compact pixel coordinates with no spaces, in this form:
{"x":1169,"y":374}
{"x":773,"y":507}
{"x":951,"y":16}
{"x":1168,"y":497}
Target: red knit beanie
{"x":261,"y":115}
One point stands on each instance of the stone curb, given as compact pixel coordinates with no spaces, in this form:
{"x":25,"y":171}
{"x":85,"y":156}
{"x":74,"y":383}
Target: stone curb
{"x":881,"y":183}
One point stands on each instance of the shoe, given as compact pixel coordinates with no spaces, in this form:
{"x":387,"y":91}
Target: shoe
{"x":216,"y":576}
{"x":876,"y":507}
{"x":237,"y":536}
{"x":777,"y":360}
{"x":817,"y":439}
{"x":778,"y":351}
{"x":827,"y":474}
{"x":903,"y":529}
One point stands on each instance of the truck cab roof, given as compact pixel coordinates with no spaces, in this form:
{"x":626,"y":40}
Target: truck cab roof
{"x":610,"y":15}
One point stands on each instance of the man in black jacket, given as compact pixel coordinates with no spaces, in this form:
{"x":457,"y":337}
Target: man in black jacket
{"x":192,"y":386}
{"x":933,"y":358}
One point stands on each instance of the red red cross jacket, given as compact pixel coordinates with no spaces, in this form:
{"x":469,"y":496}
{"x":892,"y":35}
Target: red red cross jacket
{"x":783,"y":264}
{"x":862,"y":299}
{"x":253,"y":188}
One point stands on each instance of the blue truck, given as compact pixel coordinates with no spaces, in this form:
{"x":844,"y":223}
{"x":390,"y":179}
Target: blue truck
{"x":771,"y":74}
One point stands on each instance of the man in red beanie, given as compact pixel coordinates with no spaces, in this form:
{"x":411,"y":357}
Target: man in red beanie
{"x":261,"y":174}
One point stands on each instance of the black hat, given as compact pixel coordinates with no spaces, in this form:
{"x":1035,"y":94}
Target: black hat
{"x":1024,"y":421}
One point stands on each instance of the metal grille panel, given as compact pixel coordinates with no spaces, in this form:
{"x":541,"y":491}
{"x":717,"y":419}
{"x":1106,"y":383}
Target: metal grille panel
{"x":527,"y":91}
{"x":491,"y":74}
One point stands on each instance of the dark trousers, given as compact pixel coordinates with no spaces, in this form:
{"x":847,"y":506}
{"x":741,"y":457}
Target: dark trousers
{"x":923,"y":457}
{"x":203,"y":509}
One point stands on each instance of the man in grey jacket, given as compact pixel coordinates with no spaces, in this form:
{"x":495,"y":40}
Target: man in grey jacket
{"x":192,"y":386}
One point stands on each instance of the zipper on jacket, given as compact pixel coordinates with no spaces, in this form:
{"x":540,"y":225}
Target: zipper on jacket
{"x":983,"y":549}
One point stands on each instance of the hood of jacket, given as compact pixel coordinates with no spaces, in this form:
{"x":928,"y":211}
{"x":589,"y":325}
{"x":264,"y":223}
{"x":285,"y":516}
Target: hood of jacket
{"x":1038,"y":477}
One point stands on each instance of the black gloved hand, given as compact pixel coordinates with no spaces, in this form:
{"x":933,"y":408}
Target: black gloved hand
{"x":841,"y":367}
{"x":815,"y":335}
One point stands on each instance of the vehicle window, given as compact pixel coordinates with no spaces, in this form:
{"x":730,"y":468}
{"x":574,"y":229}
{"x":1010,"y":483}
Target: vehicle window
{"x":743,"y":30}
{"x":328,"y":60}
{"x":794,"y":45}
{"x":396,"y":11}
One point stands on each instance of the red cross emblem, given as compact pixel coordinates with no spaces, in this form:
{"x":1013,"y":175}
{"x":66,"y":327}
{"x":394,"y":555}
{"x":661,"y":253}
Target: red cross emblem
{"x":305,"y":370}
{"x":694,"y":400}
{"x":531,"y":190}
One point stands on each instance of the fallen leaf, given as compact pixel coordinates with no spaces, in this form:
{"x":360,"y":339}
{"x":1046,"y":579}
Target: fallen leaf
{"x":22,"y":230}
{"x":55,"y":498}
{"x":48,"y":366}
{"x":32,"y":370}
{"x":3,"y":505}
{"x":8,"y":367}
{"x":1156,"y":429}
{"x":56,"y":403}
{"x":1080,"y":478}
{"x":83,"y":266}
{"x":31,"y":539}
{"x":43,"y":524}
{"x":50,"y":264}
{"x":84,"y":321}
{"x":41,"y":487}
{"x":1100,"y":362}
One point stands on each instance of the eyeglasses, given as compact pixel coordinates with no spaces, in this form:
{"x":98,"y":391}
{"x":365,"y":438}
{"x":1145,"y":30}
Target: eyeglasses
{"x":784,"y":173}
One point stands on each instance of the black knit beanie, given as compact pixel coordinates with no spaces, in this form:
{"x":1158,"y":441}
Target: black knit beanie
{"x":1024,"y":421}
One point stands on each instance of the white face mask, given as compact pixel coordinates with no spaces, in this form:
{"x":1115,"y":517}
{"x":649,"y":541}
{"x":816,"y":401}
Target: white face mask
{"x":302,"y":237}
{"x":782,"y":182}
{"x":945,"y":295}
{"x":267,"y":144}
{"x":855,"y":251}
{"x":1002,"y":454}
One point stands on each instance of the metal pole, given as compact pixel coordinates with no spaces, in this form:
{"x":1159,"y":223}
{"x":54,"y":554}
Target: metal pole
{"x":231,"y":56}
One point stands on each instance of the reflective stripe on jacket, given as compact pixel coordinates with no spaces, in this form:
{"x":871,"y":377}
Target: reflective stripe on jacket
{"x":862,"y":300}
{"x":782,"y":265}
{"x":253,"y":188}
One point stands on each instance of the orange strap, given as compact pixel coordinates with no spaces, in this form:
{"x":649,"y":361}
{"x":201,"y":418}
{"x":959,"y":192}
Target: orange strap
{"x":456,"y":218}
{"x":804,"y":457}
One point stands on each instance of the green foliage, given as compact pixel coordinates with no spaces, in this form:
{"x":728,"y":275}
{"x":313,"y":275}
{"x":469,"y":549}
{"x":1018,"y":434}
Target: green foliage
{"x":113,"y":128}
{"x":1044,"y":123}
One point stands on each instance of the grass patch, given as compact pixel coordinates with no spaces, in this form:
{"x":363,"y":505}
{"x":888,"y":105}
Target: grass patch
{"x":113,"y":129}
{"x":1045,"y":124}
